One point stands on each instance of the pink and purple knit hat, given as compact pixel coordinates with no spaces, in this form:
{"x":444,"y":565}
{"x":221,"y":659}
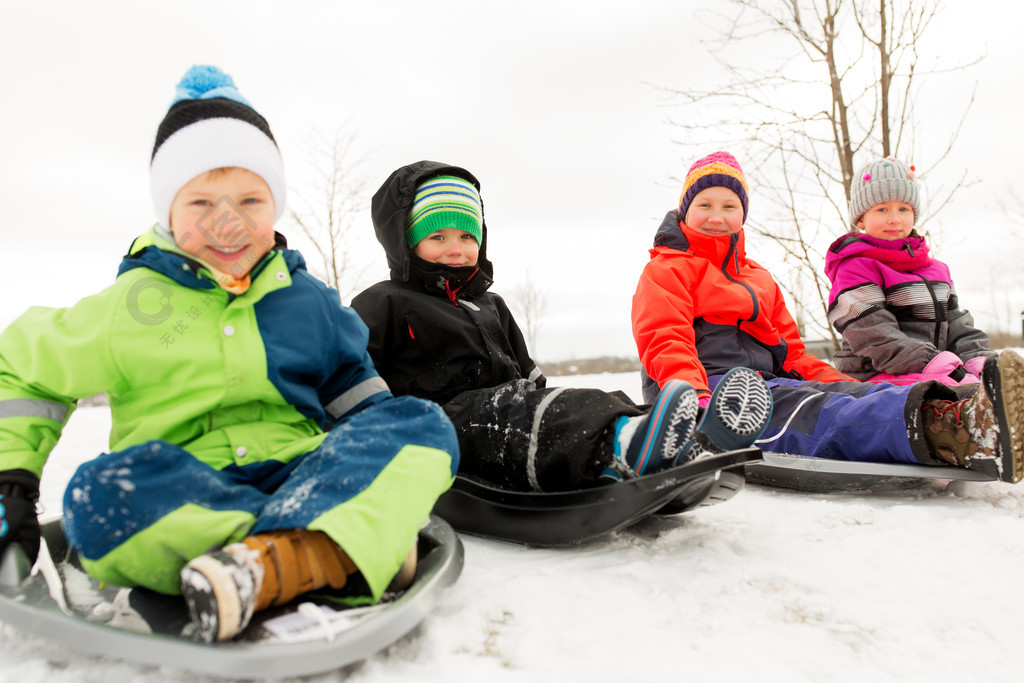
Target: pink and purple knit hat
{"x":719,"y":169}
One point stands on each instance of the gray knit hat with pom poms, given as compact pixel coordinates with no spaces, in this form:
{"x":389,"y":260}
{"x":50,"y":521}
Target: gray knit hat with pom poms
{"x":885,"y":180}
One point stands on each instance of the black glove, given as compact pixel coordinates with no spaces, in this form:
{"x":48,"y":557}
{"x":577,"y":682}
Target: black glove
{"x":19,"y":491}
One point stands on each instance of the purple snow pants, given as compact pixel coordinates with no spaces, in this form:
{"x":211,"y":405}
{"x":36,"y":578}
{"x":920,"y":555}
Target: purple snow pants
{"x":849,"y":420}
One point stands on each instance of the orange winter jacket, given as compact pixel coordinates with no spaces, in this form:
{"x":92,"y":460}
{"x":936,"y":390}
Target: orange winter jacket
{"x":702,"y":307}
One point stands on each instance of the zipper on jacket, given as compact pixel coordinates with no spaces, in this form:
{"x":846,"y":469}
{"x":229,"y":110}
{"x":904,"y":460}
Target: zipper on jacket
{"x":453,"y":294}
{"x":733,"y":239}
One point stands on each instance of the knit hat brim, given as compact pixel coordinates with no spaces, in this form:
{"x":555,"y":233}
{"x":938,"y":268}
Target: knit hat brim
{"x":715,"y":170}
{"x":441,"y":220}
{"x":445,"y":202}
{"x":209,"y":144}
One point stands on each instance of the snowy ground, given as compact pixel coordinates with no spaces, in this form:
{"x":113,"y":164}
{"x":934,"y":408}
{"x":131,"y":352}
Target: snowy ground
{"x":912,"y":585}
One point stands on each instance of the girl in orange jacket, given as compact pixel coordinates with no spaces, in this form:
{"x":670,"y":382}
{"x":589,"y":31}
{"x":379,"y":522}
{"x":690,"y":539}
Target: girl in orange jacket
{"x":702,"y":307}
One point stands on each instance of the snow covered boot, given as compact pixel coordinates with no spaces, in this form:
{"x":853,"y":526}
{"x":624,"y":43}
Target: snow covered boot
{"x":987,"y":426}
{"x":737,"y":414}
{"x":649,"y":443}
{"x":223,"y":589}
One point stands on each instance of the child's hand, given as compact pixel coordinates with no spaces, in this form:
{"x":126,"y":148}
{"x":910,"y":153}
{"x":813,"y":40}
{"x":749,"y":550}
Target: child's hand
{"x":18,"y":523}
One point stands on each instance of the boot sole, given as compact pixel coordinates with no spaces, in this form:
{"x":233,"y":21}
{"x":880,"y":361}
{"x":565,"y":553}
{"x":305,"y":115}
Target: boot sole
{"x":215,"y":610}
{"x":407,"y":572}
{"x":1003,"y":381}
{"x":738,"y":413}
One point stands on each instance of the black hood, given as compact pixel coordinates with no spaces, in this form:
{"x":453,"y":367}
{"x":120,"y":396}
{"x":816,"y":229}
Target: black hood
{"x":392,"y":204}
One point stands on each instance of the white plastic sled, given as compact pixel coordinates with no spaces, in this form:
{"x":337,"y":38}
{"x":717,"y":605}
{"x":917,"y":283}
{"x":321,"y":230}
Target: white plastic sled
{"x":61,"y":603}
{"x":823,"y":476}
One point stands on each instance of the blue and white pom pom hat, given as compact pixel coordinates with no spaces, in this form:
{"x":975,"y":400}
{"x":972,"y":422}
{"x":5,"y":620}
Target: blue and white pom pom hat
{"x":210,"y":125}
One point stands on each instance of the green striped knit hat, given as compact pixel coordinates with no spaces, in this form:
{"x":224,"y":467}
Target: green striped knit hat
{"x":445,"y":202}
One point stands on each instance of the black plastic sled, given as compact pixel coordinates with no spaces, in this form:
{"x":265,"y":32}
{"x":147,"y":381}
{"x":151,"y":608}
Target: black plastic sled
{"x":819,"y":475}
{"x":61,"y":603}
{"x":560,"y":519}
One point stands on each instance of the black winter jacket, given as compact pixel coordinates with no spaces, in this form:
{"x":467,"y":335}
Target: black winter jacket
{"x":436,"y":331}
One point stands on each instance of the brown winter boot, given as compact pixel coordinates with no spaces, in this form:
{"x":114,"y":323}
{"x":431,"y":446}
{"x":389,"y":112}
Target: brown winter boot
{"x":945,"y":432}
{"x":223,"y":589}
{"x":985,"y":431}
{"x":291,"y":562}
{"x":298,"y":561}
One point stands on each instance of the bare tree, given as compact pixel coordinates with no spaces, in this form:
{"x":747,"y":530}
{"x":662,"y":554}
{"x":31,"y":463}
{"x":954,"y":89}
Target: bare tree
{"x":532,"y":302}
{"x":834,"y":87}
{"x":330,"y":208}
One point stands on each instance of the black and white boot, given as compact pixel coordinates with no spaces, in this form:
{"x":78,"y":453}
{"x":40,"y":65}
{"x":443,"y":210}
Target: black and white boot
{"x":737,"y":414}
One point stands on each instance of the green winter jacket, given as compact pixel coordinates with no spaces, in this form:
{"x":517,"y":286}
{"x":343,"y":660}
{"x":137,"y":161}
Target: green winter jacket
{"x":232,"y":379}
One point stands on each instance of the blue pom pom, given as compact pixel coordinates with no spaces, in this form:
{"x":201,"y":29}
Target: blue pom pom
{"x":204,"y":82}
{"x":202,"y":78}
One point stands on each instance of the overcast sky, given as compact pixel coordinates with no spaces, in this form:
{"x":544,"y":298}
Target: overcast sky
{"x":551,"y":105}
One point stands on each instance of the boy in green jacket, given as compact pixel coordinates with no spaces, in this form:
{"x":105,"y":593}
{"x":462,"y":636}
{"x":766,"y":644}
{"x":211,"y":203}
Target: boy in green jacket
{"x":225,"y":364}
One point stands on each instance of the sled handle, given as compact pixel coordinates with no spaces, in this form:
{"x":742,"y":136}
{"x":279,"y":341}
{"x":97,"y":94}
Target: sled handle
{"x":14,"y":566}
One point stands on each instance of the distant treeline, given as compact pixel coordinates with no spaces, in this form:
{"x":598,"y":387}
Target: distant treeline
{"x":590,"y":366}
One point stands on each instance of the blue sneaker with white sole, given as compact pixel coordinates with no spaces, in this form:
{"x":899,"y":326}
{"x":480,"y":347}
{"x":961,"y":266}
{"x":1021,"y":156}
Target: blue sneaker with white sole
{"x":736,"y":416}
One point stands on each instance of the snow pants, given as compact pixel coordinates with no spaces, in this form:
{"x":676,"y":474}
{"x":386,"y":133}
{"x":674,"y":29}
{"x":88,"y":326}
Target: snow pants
{"x":521,"y":438}
{"x":137,"y":516}
{"x":849,"y":420}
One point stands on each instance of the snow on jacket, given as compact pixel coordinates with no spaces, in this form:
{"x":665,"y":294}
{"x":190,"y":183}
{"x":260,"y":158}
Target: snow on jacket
{"x":429,"y":311}
{"x":895,"y":306}
{"x":702,"y":307}
{"x":235,"y":380}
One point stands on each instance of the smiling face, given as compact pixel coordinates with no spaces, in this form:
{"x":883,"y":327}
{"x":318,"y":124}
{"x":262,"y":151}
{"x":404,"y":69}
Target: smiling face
{"x":449,"y":247}
{"x":888,"y":220}
{"x":225,"y":218}
{"x":715,"y":211}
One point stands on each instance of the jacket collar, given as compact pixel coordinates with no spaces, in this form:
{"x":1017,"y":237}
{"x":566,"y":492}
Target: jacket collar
{"x":469,"y":282}
{"x":909,"y":253}
{"x":151,"y":250}
{"x":674,"y":234}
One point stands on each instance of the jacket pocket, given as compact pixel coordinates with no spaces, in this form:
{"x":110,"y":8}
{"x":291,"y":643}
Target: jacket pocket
{"x":421,"y":334}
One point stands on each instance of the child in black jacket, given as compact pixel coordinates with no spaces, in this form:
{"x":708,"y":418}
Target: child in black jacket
{"x":436,"y":332}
